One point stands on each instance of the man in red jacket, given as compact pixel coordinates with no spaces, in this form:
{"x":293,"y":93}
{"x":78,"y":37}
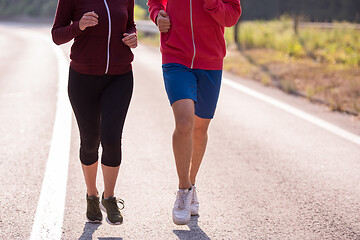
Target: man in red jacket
{"x":193,"y":49}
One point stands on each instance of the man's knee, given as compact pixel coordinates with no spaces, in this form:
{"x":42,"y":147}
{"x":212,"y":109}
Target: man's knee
{"x":200,"y":130}
{"x":185,"y":125}
{"x":201,"y":126}
{"x":184,"y":116}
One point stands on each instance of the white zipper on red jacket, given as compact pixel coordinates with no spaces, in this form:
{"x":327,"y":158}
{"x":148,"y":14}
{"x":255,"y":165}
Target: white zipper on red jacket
{"x":192,"y":32}
{"x":108,"y":44}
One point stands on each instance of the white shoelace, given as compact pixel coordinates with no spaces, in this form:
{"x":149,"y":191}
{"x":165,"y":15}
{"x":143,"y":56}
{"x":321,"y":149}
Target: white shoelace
{"x":181,"y":199}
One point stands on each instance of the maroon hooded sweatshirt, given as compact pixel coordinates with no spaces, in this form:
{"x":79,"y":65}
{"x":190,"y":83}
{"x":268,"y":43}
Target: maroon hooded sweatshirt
{"x":97,"y":50}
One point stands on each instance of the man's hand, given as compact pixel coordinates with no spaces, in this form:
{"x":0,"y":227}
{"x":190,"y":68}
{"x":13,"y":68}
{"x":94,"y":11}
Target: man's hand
{"x":130,"y":39}
{"x":89,"y":19}
{"x":163,"y":21}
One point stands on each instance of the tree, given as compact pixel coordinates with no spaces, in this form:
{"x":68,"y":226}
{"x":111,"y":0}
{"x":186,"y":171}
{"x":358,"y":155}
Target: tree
{"x":33,"y":8}
{"x":297,"y":9}
{"x":236,"y":35}
{"x":142,"y":3}
{"x":319,"y":10}
{"x":259,"y":9}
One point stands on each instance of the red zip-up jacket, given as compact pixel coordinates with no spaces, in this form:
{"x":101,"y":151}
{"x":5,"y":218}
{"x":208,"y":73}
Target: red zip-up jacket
{"x":97,"y":50}
{"x":196,"y":36}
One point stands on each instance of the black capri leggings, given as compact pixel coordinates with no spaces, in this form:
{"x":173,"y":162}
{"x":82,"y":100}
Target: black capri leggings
{"x":100,"y":104}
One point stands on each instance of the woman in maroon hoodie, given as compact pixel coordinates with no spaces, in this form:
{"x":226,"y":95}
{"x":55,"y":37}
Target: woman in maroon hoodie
{"x":100,"y":88}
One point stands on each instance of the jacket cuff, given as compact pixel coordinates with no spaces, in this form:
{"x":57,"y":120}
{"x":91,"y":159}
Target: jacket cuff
{"x":131,"y":30}
{"x":211,"y":4}
{"x":76,"y":28}
{"x":154,"y":15}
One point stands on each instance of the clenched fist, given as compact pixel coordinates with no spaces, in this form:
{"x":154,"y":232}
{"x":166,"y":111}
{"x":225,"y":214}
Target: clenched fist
{"x":163,"y":21}
{"x":130,"y":39}
{"x":89,"y":19}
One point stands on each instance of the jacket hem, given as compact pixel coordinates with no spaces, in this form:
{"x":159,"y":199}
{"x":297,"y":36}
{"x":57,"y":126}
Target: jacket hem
{"x":206,"y":64}
{"x":100,"y":69}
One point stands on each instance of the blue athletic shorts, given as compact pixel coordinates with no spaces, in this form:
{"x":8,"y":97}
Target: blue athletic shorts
{"x":202,"y":86}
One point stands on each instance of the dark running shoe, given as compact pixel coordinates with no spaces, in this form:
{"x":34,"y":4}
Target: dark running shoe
{"x":93,"y":213}
{"x":109,"y":205}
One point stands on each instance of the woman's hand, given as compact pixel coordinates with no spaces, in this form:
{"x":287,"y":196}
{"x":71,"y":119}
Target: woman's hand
{"x":89,"y":19}
{"x":130,"y":39}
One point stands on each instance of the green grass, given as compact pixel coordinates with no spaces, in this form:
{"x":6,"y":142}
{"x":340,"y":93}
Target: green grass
{"x":139,"y":13}
{"x":319,"y":64}
{"x":340,"y":45}
{"x":149,"y":39}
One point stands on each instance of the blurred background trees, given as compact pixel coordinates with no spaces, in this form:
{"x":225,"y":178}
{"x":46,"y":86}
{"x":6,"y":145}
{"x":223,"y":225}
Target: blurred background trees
{"x":316,"y":11}
{"x":32,"y":8}
{"x":312,"y":10}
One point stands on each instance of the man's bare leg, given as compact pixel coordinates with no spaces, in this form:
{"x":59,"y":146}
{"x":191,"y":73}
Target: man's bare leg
{"x":182,"y":139}
{"x":200,"y":138}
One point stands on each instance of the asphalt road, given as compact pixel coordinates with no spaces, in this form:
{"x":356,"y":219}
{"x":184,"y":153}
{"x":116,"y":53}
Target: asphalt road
{"x":267,"y":173}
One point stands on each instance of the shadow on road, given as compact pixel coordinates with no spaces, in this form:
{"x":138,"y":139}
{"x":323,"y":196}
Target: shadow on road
{"x":195,"y":231}
{"x":110,"y":238}
{"x":89,"y":230}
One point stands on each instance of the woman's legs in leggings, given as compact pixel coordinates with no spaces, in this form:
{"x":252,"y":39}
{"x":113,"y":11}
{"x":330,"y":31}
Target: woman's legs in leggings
{"x":115,"y":102}
{"x":83,"y":92}
{"x":94,"y":98}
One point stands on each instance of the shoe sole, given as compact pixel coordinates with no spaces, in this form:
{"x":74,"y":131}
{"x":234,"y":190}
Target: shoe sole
{"x":180,"y":222}
{"x":194,"y":210}
{"x":95,"y":221}
{"x":107,"y":220}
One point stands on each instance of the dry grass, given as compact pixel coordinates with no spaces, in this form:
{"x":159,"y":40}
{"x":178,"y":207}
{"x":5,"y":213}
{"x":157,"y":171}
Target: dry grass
{"x":149,"y":39}
{"x":336,"y":85}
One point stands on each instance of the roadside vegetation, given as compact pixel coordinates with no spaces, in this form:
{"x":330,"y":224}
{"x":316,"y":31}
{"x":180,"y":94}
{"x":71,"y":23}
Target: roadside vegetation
{"x":140,"y":13}
{"x":31,"y":8}
{"x":322,"y":65}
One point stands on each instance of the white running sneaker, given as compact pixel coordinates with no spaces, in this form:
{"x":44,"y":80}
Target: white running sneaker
{"x":194,"y":203}
{"x":181,"y":211}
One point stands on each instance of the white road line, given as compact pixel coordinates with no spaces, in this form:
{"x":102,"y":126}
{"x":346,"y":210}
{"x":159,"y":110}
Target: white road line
{"x":303,"y":115}
{"x":50,"y":210}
